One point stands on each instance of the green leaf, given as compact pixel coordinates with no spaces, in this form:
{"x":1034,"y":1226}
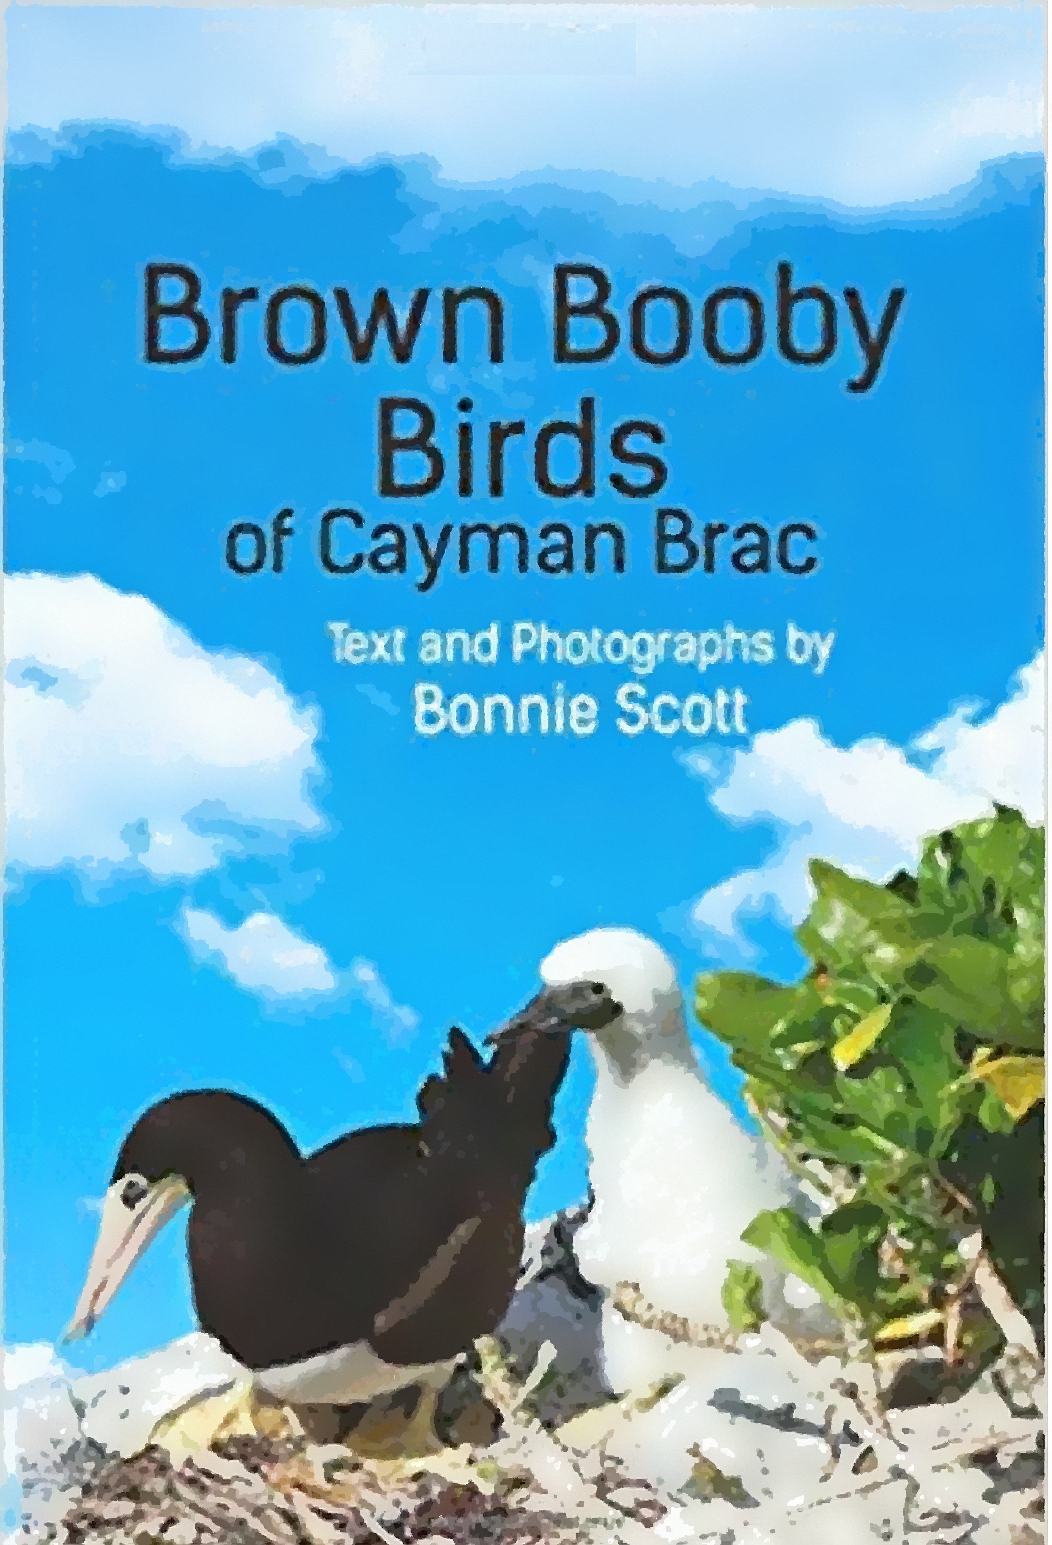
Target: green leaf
{"x":970,"y":982}
{"x":859,"y":995}
{"x":810,"y":1018}
{"x":1026,"y":983}
{"x":740,"y":1008}
{"x":884,"y":1102}
{"x":906,"y":1063}
{"x":903,"y":884}
{"x":786,"y":1237}
{"x":922,"y":1043}
{"x":742,"y":1296}
{"x":994,"y":1115}
{"x":1006,"y":850}
{"x":846,"y":1142}
{"x":854,"y":922}
{"x":850,"y":1239}
{"x":707,"y":1481}
{"x":986,"y":876}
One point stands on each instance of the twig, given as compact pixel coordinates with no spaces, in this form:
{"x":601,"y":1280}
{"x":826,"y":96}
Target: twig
{"x":390,"y":1539}
{"x":998,"y":1302}
{"x":546,"y":1355}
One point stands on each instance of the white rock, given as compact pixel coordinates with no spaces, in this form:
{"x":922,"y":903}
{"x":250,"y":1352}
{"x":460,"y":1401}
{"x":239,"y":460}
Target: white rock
{"x":1010,"y":1521}
{"x":120,"y":1408}
{"x":979,"y":1421}
{"x":947,"y":1498}
{"x":798,"y":1295}
{"x":674,"y":1526}
{"x":39,"y":1419}
{"x":630,"y":1354}
{"x":46,"y":1458}
{"x":864,"y":1517}
{"x":760,"y":1413}
{"x":41,"y":1427}
{"x":776,"y":1447}
{"x":59,"y":1429}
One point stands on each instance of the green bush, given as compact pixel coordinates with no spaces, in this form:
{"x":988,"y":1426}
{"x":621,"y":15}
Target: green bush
{"x":905,"y":1073}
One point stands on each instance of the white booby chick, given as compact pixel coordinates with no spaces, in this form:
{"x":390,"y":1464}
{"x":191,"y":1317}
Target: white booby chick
{"x":675,"y":1177}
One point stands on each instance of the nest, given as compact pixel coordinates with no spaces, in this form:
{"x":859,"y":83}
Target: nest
{"x":256,"y":1492}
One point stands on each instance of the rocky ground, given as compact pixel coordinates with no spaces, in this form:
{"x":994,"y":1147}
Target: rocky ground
{"x":744,"y":1442}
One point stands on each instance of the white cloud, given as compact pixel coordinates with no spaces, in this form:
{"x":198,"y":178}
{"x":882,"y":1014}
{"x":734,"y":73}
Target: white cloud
{"x":350,"y":1065}
{"x":864,"y":104}
{"x":1002,"y":757}
{"x":59,"y":463}
{"x":1015,"y":112}
{"x":867,"y":806}
{"x":26,"y":1364}
{"x":265,"y":956}
{"x":129,"y":746}
{"x":396,"y":1020}
{"x":378,"y":698}
{"x":262,"y":954}
{"x":110,"y":483}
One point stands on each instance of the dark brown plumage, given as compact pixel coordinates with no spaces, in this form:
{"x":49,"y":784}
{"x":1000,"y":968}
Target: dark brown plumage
{"x":408,"y":1237}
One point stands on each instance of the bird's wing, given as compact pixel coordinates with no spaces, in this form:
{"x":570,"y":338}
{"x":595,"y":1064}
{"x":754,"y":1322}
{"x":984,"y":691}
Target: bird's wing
{"x":463,"y":1075}
{"x":424,"y":1224}
{"x":353,"y":1173}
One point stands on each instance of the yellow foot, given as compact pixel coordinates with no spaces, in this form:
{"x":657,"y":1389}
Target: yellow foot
{"x":385,"y":1432}
{"x":238,"y":1412}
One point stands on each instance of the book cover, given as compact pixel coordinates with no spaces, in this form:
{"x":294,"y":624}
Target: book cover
{"x":524,"y":760}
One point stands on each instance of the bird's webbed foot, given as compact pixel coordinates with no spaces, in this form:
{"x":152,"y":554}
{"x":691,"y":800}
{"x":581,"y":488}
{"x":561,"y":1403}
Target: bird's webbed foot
{"x":239,"y":1411}
{"x":386,"y":1431}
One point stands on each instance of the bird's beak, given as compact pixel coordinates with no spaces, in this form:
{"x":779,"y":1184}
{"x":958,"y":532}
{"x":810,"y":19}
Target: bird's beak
{"x":123,"y":1236}
{"x":565,"y":1008}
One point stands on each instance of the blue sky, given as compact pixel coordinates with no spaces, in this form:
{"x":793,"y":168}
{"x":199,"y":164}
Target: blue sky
{"x":235,"y":864}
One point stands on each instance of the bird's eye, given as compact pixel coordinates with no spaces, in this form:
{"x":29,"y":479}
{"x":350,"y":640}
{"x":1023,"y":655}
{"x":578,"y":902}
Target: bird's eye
{"x":133,"y":1193}
{"x":597,"y":989}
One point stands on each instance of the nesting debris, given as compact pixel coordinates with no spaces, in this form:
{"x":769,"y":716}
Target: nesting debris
{"x":747,"y":1443}
{"x":257,"y":1493}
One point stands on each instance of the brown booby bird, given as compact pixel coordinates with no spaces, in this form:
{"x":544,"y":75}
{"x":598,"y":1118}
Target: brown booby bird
{"x":372,"y":1264}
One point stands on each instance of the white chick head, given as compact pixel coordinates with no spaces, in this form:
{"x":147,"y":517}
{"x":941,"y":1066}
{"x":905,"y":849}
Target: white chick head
{"x":639,"y":974}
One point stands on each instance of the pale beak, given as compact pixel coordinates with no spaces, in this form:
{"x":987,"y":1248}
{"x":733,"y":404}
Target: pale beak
{"x":124,"y":1234}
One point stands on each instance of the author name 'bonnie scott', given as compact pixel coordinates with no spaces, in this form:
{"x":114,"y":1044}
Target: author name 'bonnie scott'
{"x":559,"y":712}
